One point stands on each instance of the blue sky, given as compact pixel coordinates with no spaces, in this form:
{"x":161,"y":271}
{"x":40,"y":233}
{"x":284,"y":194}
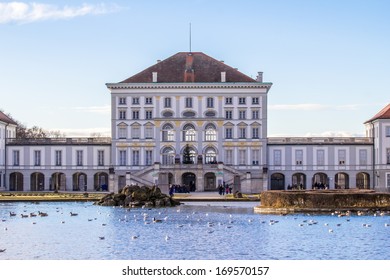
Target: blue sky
{"x":328,"y":60}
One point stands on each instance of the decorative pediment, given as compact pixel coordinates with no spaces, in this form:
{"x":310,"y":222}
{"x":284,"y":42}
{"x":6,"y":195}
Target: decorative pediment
{"x":122,"y":124}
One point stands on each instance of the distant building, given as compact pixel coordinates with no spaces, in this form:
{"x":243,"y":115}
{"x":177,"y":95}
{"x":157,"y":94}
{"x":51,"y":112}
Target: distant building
{"x":7,"y":130}
{"x":193,"y":121}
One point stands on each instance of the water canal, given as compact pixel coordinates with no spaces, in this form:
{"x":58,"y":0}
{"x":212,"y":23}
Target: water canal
{"x":193,"y":231}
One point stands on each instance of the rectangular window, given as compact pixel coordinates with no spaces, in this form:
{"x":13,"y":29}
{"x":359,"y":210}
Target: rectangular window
{"x":135,"y":132}
{"x":79,"y":158}
{"x":148,"y":114}
{"x":320,"y":157}
{"x":255,"y":100}
{"x":210,"y":102}
{"x":122,"y":114}
{"x":188,"y":102}
{"x":229,"y":133}
{"x":242,"y":114}
{"x":135,"y":115}
{"x":298,"y":157}
{"x":15,"y":158}
{"x":387,"y":131}
{"x":122,"y":158}
{"x":100,"y":158}
{"x":229,"y":100}
{"x":229,"y":114}
{"x":387,"y":156}
{"x":255,"y":157}
{"x":37,"y":158}
{"x":58,"y":159}
{"x":122,"y":133}
{"x":242,"y":157}
{"x":122,"y":100}
{"x":148,"y":157}
{"x":255,"y":114}
{"x":229,"y":157}
{"x":388,"y":180}
{"x":278,"y":157}
{"x":167,"y":102}
{"x":242,"y":132}
{"x":149,"y":132}
{"x":341,"y":157}
{"x":362,"y":157}
{"x":148,"y":100}
{"x":242,"y":100}
{"x":135,"y":158}
{"x":135,"y":100}
{"x":255,"y":133}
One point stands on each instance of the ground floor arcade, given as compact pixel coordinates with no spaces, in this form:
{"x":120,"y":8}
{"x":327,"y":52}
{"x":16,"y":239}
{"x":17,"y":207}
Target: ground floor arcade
{"x":319,"y":180}
{"x":57,"y":181}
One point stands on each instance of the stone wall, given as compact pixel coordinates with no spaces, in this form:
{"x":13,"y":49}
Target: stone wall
{"x":323,"y":200}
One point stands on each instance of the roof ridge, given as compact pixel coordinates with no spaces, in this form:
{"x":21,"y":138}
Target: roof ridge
{"x":5,"y":118}
{"x":204,"y":69}
{"x":382,"y":114}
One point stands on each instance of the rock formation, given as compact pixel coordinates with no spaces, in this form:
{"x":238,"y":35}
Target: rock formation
{"x":136,"y":196}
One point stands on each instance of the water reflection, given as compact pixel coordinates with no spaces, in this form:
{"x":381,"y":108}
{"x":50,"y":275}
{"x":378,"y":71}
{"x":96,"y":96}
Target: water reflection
{"x":217,"y":230}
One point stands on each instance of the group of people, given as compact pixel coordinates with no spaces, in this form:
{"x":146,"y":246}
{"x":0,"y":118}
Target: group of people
{"x":316,"y":186}
{"x":178,"y":189}
{"x":224,"y":189}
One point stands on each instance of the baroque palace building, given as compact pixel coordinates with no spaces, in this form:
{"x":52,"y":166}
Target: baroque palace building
{"x":192,"y":120}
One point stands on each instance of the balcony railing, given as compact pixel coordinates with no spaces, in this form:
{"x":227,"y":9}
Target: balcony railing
{"x":319,"y":140}
{"x":60,"y":141}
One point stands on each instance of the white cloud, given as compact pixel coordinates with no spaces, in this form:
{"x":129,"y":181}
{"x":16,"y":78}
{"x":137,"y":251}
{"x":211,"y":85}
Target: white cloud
{"x":21,"y":12}
{"x":313,"y":107}
{"x":85,"y":132}
{"x":95,"y":109}
{"x":320,"y":134}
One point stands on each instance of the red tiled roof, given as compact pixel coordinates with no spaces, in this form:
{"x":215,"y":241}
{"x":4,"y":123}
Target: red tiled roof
{"x":383,"y":114}
{"x":6,"y":119}
{"x":189,"y":67}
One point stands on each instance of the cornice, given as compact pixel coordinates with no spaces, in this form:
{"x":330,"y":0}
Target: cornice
{"x":186,"y":85}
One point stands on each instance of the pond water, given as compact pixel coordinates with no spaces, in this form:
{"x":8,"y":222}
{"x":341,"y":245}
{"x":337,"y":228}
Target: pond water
{"x":192,"y":231}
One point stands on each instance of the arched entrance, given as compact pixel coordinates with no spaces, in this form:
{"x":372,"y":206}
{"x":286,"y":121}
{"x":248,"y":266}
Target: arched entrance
{"x":341,"y":181}
{"x":58,"y":182}
{"x":100,"y":181}
{"x":37,"y":181}
{"x":170,"y":178}
{"x":277,"y":181}
{"x":320,"y":181}
{"x":16,"y":181}
{"x":79,"y":181}
{"x":363,"y":180}
{"x":298,"y":181}
{"x":188,"y":179}
{"x":209,"y":181}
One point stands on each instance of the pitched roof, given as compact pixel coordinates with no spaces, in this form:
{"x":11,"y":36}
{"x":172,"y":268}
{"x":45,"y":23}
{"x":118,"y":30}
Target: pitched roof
{"x":189,"y":67}
{"x":383,"y":114}
{"x":6,"y":119}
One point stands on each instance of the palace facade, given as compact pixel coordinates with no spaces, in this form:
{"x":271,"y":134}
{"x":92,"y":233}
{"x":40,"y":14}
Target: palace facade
{"x":194,"y":121}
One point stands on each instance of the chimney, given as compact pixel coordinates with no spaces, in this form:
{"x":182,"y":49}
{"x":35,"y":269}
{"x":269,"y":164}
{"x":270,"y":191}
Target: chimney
{"x":154,"y":77}
{"x":189,"y":75}
{"x":223,"y":77}
{"x":158,"y":60}
{"x":259,"y":77}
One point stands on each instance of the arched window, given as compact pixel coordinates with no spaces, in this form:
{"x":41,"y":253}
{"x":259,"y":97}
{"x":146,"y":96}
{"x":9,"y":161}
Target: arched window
{"x":189,"y":155}
{"x":211,"y":155}
{"x":189,"y":133}
{"x":210,"y":133}
{"x":168,"y":156}
{"x":168,"y":134}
